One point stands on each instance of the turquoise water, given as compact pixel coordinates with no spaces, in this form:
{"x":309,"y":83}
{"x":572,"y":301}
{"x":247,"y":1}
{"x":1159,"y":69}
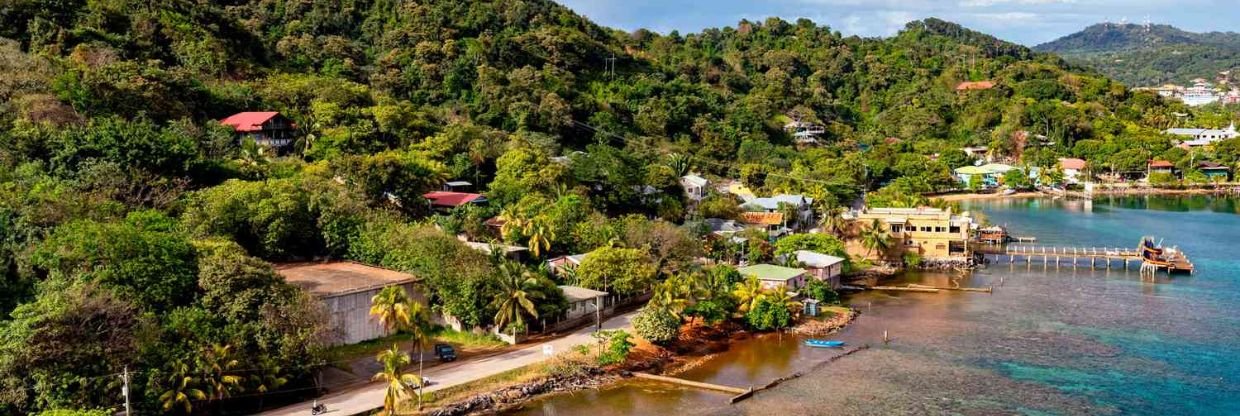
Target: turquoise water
{"x":1049,"y":340}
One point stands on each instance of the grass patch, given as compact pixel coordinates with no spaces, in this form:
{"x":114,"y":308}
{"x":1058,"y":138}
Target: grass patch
{"x":466,"y":339}
{"x":365,"y":348}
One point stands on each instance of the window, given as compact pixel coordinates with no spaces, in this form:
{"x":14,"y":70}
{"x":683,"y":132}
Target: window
{"x":925,"y":229}
{"x":895,"y":228}
{"x":955,"y":229}
{"x":939,"y":229}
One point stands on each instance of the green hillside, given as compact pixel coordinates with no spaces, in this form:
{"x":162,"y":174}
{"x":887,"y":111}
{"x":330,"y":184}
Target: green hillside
{"x":125,"y":205}
{"x":1141,"y":55}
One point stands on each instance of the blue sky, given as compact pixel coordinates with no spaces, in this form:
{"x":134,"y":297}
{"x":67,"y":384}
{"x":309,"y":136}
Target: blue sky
{"x":1024,"y":21}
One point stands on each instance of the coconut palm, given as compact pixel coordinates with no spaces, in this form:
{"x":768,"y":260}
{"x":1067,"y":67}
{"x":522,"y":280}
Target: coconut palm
{"x":748,"y":293}
{"x":391,"y":307}
{"x":780,"y":296}
{"x":420,"y":335}
{"x":673,"y":295}
{"x":514,"y":223}
{"x":512,"y":301}
{"x":399,"y":383}
{"x":270,"y":376}
{"x":219,"y":366}
{"x":182,"y":390}
{"x":680,"y":163}
{"x":874,"y":236}
{"x":540,"y":236}
{"x":833,"y":221}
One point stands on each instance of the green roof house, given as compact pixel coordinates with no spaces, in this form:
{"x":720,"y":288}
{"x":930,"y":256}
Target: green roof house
{"x":773,"y":276}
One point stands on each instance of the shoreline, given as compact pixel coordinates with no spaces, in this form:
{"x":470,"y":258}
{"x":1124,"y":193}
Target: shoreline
{"x":1112,"y":191}
{"x":698,"y":345}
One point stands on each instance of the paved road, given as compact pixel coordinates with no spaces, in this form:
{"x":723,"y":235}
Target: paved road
{"x":370,"y":396}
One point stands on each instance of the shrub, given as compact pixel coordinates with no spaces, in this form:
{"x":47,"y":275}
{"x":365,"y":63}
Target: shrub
{"x":656,"y":325}
{"x":617,"y":346}
{"x":821,"y":292}
{"x":767,"y":315}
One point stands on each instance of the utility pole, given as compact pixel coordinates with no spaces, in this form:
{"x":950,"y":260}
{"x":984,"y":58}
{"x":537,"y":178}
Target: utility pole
{"x":125,"y":391}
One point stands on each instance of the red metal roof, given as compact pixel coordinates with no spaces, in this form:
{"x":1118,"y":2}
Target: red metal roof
{"x":1072,"y":163}
{"x":450,"y":199}
{"x":1161,"y":164}
{"x":249,"y":121}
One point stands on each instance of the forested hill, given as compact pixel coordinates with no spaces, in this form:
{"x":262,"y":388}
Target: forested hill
{"x":125,"y":204}
{"x":1141,"y":55}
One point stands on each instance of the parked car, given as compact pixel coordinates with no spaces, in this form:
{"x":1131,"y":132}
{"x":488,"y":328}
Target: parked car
{"x":445,"y":352}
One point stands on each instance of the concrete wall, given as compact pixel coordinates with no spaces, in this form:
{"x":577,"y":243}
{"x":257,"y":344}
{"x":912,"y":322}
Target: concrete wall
{"x":350,"y":314}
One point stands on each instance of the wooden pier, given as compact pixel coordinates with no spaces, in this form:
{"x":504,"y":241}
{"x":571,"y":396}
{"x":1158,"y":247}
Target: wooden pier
{"x":1093,"y":257}
{"x":696,"y":384}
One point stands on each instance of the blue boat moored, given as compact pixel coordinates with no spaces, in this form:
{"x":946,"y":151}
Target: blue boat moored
{"x":822,"y":343}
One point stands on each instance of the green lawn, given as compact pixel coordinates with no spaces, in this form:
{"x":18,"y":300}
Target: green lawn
{"x":461,"y":340}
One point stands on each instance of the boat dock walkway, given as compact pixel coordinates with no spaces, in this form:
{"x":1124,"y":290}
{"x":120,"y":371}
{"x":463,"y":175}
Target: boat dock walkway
{"x":1093,"y":257}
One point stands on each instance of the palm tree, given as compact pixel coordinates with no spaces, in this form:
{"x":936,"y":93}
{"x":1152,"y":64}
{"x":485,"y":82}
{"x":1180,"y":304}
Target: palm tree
{"x":182,"y":391}
{"x":748,"y":292}
{"x":269,"y":377}
{"x":780,"y":296}
{"x":673,"y":295}
{"x":833,"y":221}
{"x":512,"y":302}
{"x":680,"y":163}
{"x":540,"y":235}
{"x":513,"y":225}
{"x":874,"y":237}
{"x":391,"y":307}
{"x":420,"y":334}
{"x":398,"y":382}
{"x":219,"y":368}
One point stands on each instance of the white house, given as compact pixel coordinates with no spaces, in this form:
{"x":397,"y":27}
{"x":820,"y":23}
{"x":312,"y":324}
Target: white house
{"x":345,"y":289}
{"x":1203,"y":137}
{"x":695,"y":186}
{"x":1072,"y":169}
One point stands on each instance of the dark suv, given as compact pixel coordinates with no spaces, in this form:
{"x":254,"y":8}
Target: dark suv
{"x":445,"y":352}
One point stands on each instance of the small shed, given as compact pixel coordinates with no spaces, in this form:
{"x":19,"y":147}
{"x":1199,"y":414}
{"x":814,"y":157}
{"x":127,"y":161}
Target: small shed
{"x":773,"y":276}
{"x":1214,"y":171}
{"x":446,"y":200}
{"x":695,"y":186}
{"x":345,"y":288}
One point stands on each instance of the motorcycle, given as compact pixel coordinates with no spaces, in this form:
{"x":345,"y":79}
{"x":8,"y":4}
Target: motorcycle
{"x":318,"y":408}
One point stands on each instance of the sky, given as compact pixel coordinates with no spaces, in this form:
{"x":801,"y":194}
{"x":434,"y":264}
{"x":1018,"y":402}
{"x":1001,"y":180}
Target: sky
{"x":1028,"y":22}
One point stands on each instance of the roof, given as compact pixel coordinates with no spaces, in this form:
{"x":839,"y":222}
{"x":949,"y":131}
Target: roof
{"x":458,"y":183}
{"x":339,"y":278}
{"x":1072,"y":163}
{"x":1188,"y":132}
{"x":694,"y":180}
{"x":486,"y":247}
{"x":815,"y":259}
{"x":771,"y":272}
{"x":720,"y":225}
{"x":574,"y":259}
{"x":1161,"y":164}
{"x":772,"y":203}
{"x":1211,"y":166}
{"x":763,"y":218}
{"x":997,"y":167}
{"x":577,"y":293}
{"x":249,"y":121}
{"x":975,"y":85}
{"x":452,"y":199}
{"x":971,"y":170}
{"x":736,"y":188}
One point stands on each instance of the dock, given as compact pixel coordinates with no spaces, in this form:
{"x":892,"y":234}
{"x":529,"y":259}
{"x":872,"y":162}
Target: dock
{"x":696,"y":384}
{"x":1147,"y":260}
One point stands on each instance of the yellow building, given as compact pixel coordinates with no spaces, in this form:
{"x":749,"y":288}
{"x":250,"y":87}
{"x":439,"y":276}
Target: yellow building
{"x":932,"y":233}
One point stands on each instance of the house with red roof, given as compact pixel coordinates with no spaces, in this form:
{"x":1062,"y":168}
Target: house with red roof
{"x":1072,"y":169}
{"x":446,"y":200}
{"x":266,"y":128}
{"x":1161,"y":166}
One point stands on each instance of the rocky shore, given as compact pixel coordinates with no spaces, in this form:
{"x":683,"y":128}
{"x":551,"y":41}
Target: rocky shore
{"x":513,"y":396}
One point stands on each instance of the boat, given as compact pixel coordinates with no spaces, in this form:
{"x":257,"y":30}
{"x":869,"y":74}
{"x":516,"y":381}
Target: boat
{"x":822,"y":343}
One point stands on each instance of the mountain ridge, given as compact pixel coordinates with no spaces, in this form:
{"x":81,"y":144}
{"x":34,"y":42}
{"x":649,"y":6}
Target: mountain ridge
{"x":1143,"y":55}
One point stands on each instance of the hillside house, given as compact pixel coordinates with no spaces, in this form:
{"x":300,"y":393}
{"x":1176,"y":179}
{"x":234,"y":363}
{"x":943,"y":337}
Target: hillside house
{"x":559,"y":264}
{"x":345,"y":289}
{"x":446,"y":201}
{"x":695,"y":186}
{"x":269,"y":129}
{"x":1161,"y":166}
{"x":1192,"y":138}
{"x":802,"y":204}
